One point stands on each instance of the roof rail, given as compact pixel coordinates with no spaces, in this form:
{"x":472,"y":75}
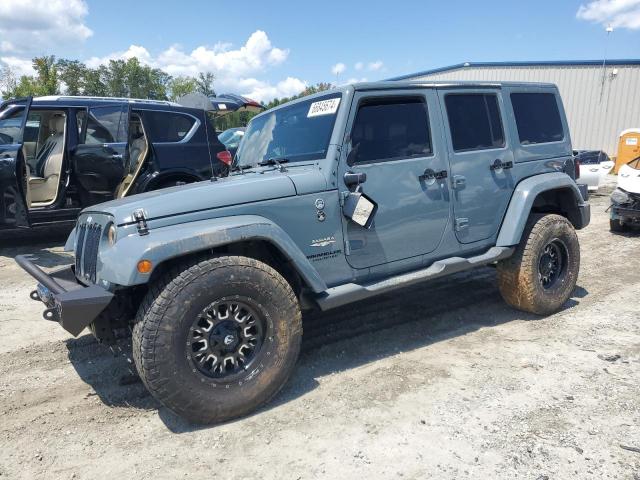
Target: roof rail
{"x":55,"y":98}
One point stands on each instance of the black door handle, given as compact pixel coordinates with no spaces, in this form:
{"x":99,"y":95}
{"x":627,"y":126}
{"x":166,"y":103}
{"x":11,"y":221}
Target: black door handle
{"x":430,"y":174}
{"x":500,"y":165}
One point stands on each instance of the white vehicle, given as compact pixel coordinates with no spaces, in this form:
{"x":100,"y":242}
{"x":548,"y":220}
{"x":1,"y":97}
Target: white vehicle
{"x":625,"y":200}
{"x":594,"y":166}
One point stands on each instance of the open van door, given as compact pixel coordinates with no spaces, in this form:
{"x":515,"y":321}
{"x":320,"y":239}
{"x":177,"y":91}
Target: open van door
{"x":14,"y":172}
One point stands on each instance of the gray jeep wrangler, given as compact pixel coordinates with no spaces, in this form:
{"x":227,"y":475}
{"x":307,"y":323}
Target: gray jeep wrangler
{"x":335,"y":198}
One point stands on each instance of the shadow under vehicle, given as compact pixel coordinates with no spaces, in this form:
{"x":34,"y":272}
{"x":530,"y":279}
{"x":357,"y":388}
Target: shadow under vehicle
{"x":60,"y":154}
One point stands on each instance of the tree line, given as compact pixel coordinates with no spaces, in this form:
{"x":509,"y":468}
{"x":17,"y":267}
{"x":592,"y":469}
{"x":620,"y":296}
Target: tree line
{"x":120,"y":78}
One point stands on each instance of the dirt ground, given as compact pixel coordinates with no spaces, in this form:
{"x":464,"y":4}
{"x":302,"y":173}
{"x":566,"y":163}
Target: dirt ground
{"x":438,"y":381}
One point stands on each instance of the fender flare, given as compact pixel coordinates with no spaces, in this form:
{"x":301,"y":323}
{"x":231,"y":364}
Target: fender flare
{"x":117,"y":265}
{"x":522,"y":201}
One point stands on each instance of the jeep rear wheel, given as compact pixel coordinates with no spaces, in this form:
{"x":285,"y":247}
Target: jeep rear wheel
{"x":218,"y":338}
{"x":542,"y":273}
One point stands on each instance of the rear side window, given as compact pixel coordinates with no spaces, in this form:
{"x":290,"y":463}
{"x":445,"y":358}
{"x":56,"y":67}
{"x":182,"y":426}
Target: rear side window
{"x":390,"y":129}
{"x":167,"y":126}
{"x":474,"y":121}
{"x":537,"y":117}
{"x":103,"y":125}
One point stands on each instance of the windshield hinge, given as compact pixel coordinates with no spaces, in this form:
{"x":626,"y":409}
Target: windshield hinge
{"x":141,"y":222}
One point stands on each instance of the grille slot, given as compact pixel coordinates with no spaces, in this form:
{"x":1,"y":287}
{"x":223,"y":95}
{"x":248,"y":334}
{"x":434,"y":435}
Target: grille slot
{"x":87,"y":251}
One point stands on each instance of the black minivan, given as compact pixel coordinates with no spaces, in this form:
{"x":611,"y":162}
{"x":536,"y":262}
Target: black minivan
{"x":60,"y":154}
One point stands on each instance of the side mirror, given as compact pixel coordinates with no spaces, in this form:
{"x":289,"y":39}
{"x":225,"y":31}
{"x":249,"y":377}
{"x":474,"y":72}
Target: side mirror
{"x":359,"y":208}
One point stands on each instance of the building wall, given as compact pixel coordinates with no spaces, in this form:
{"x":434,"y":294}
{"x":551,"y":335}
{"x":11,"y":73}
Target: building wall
{"x":596,"y":114}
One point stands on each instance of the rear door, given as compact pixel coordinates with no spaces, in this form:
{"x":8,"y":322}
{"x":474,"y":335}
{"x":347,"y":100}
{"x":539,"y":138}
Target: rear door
{"x":14,"y":173}
{"x":99,"y":160}
{"x":480,"y":159}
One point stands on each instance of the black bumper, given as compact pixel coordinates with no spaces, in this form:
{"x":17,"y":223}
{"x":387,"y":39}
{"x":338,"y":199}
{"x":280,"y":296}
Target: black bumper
{"x":68,"y":302}
{"x":627,"y":213}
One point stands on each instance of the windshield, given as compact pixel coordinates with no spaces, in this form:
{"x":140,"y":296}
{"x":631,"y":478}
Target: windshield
{"x":11,"y":126}
{"x":295,"y":133}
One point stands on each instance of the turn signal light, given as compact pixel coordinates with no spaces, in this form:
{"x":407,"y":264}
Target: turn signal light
{"x":144,"y":266}
{"x":225,"y":157}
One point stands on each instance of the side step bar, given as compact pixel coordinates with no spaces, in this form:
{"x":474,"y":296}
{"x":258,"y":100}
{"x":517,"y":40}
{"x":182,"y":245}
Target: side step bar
{"x":352,"y":292}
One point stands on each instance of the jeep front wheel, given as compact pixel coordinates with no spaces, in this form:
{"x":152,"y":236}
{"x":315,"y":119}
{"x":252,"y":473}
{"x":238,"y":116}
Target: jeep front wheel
{"x":218,"y":338}
{"x":542,"y":273}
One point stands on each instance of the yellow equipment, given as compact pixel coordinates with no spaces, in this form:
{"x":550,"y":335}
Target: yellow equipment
{"x":628,"y":147}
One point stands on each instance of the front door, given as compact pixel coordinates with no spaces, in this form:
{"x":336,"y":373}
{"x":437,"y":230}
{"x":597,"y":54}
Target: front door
{"x":393,"y":141}
{"x":14,"y":173}
{"x":100,"y":158}
{"x":480,"y":159}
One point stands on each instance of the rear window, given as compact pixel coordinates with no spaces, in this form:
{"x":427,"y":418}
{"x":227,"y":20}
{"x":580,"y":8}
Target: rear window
{"x":537,"y":118}
{"x":474,"y":121}
{"x":167,"y":126}
{"x":387,"y":129}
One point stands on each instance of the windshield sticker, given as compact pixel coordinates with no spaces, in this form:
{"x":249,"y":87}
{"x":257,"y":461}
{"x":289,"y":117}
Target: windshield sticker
{"x":324,"y":107}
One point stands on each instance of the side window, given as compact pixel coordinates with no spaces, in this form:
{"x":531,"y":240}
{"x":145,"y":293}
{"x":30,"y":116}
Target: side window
{"x":103,"y":124}
{"x":389,"y":129}
{"x":537,"y":117}
{"x":167,"y":126}
{"x":474,"y":121}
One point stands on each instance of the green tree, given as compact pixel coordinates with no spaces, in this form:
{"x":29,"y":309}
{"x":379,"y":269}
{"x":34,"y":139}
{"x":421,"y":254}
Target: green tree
{"x":204,"y":83}
{"x":73,"y":74}
{"x":93,"y":83}
{"x":180,"y":86}
{"x":46,"y":80}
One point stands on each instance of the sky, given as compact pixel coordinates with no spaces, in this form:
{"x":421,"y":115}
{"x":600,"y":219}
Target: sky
{"x":266,"y":49}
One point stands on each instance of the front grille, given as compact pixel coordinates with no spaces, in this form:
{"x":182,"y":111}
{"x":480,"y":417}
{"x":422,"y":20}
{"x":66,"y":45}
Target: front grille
{"x":87,"y":251}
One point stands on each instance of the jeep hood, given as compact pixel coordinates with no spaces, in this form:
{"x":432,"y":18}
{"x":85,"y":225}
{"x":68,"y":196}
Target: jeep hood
{"x":201,"y":196}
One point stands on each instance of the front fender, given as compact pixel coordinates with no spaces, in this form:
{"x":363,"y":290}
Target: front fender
{"x":525,"y":195}
{"x":117,"y":264}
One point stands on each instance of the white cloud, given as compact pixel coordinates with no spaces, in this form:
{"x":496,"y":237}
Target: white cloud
{"x":358,"y":66}
{"x":18,"y":66}
{"x":338,"y":68}
{"x":355,"y":80}
{"x":375,"y":66}
{"x":235,"y":69}
{"x":32,"y":25}
{"x":617,"y":13}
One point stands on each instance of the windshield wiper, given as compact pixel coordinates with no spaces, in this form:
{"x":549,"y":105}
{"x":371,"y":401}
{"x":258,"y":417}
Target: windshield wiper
{"x":277,"y":161}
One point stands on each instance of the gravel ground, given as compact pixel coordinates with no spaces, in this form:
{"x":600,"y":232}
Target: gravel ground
{"x":436,"y":381}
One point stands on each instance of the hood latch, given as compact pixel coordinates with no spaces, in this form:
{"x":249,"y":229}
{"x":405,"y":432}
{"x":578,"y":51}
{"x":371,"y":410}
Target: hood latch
{"x":141,"y":221}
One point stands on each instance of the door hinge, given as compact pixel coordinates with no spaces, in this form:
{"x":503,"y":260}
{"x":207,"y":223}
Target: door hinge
{"x":462,"y":224}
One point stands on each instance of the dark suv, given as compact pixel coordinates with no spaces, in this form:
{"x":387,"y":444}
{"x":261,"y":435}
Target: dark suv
{"x":59,"y":154}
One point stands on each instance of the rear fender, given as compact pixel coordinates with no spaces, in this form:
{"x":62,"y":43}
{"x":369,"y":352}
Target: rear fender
{"x":118,"y":264}
{"x":524,"y":197}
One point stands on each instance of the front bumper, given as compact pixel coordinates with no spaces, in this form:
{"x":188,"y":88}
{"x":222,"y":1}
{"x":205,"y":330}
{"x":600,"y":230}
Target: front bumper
{"x":70,"y":303}
{"x":626,"y":214}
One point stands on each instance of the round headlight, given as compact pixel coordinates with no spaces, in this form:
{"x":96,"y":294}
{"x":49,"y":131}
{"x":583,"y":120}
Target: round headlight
{"x":111,"y":235}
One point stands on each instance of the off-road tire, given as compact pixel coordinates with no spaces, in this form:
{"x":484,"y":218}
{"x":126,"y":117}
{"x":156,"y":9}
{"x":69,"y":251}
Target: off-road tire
{"x":615,"y":225}
{"x":163,"y":325}
{"x":518,"y":275}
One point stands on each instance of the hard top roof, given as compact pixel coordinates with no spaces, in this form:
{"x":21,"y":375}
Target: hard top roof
{"x":406,"y":85}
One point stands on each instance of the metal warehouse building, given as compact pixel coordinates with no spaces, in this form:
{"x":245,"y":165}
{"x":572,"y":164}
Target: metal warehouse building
{"x":600,"y":101}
